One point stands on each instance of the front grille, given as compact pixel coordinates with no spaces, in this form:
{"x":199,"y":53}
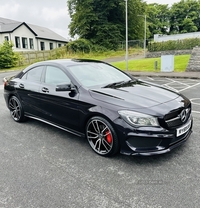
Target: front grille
{"x":177,"y":118}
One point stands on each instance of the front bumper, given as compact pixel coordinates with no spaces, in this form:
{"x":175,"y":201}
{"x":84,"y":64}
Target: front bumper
{"x":150,"y":142}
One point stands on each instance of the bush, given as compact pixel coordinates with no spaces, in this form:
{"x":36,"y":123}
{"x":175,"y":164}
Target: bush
{"x":84,"y":46}
{"x":8,"y":58}
{"x":80,"y":45}
{"x":185,"y":44}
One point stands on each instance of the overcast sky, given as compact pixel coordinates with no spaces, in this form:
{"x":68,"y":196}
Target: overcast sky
{"x":52,"y":14}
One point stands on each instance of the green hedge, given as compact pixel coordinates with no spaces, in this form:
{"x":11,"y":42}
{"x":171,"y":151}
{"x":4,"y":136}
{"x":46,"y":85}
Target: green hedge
{"x":185,"y":44}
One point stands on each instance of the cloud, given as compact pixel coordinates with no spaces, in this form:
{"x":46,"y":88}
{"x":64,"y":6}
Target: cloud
{"x":13,"y":9}
{"x":51,"y":14}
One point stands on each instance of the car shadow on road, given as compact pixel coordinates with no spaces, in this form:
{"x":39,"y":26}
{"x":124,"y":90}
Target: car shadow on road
{"x":64,"y":138}
{"x":154,"y":159}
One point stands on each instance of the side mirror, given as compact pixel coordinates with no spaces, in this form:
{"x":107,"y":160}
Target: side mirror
{"x":64,"y":87}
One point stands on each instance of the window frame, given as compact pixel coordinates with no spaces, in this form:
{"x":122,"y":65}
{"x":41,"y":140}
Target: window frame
{"x":31,"y":44}
{"x":6,"y":38}
{"x":55,"y":84}
{"x":25,"y":76}
{"x":24,"y":43}
{"x":42,"y":45}
{"x":17,"y":42}
{"x":51,"y":46}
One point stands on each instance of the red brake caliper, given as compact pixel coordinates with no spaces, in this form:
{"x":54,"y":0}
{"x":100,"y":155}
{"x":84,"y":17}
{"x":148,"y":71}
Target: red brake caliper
{"x":108,"y":137}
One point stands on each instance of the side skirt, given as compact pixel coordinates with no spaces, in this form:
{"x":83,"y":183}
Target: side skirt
{"x":57,"y":126}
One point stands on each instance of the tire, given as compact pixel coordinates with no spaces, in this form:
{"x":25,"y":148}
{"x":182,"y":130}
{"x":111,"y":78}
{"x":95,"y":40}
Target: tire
{"x":102,"y":137}
{"x":16,"y":109}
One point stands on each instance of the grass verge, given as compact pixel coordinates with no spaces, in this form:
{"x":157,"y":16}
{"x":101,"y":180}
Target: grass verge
{"x":148,"y":64}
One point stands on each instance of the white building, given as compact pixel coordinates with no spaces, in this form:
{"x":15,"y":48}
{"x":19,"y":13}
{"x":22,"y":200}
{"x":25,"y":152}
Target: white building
{"x":28,"y":37}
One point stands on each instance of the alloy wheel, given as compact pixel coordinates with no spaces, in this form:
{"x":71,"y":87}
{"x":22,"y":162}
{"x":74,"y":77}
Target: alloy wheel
{"x":15,"y":109}
{"x":100,"y":136}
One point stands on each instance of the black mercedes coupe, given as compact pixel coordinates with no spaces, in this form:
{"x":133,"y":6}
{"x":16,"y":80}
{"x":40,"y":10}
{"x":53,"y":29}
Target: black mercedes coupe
{"x":92,"y":99}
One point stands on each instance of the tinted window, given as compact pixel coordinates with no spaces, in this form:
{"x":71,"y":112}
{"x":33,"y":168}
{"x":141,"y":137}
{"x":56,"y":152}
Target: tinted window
{"x":56,"y":76}
{"x":34,"y":74}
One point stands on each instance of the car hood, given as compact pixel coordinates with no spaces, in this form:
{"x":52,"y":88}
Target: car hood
{"x":135,"y":95}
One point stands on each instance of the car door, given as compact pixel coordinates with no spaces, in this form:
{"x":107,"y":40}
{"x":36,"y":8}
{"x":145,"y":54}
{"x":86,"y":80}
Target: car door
{"x":28,"y":90}
{"x":59,"y":107}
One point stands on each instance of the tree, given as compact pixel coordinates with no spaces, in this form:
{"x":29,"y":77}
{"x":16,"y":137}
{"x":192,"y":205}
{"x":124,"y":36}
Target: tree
{"x":158,"y":18}
{"x":103,"y":21}
{"x":185,"y":16}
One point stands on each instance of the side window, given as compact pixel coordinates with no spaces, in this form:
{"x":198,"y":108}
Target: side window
{"x":34,"y":75}
{"x":24,"y":43}
{"x":31,"y":43}
{"x":56,"y":76}
{"x":17,"y":42}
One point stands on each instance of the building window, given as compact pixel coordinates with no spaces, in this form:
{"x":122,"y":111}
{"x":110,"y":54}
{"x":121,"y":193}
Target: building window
{"x":24,"y":43}
{"x":31,"y":43}
{"x":17,"y":42}
{"x":6,"y":38}
{"x":42,"y":46}
{"x":59,"y":45}
{"x":51,"y":46}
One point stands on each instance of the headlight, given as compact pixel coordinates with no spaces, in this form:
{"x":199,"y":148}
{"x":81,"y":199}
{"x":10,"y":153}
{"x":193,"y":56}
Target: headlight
{"x":138,"y":119}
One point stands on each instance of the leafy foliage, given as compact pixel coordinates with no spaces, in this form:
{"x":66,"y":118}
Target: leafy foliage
{"x":8,"y":58}
{"x":83,"y":46}
{"x":174,"y":45}
{"x":80,"y":45}
{"x":185,"y":16}
{"x":158,"y":18}
{"x":181,"y":17}
{"x":102,"y":22}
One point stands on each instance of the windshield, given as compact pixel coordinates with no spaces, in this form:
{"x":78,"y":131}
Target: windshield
{"x":97,"y":74}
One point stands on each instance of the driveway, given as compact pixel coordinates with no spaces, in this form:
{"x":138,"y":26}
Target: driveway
{"x":41,"y":166}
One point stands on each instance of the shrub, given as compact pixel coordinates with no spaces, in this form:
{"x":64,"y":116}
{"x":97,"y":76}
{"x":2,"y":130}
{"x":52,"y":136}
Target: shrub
{"x":174,"y":45}
{"x":84,"y":46}
{"x":80,"y":45}
{"x":8,"y":58}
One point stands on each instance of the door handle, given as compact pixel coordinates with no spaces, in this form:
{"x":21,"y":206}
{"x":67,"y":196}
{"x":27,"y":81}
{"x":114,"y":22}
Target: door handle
{"x":45,"y":90}
{"x":21,"y":85}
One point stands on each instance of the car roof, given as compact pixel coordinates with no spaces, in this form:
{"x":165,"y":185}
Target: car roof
{"x":70,"y":61}
{"x":62,"y":62}
{"x":66,"y":61}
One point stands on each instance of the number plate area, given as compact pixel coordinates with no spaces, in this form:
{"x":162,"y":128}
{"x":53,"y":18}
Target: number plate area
{"x":182,"y":130}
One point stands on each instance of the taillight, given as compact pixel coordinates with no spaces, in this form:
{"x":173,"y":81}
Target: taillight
{"x":5,"y":81}
{"x":5,"y":84}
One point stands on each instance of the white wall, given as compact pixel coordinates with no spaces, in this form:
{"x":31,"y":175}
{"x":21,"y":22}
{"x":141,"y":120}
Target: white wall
{"x":47,"y":43}
{"x":24,"y":32}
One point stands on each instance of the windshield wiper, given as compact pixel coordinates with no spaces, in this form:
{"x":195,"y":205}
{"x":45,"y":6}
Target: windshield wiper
{"x":114,"y":84}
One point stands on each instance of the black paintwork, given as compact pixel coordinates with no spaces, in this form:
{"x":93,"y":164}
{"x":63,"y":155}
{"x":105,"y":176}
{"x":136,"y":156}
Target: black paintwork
{"x":70,"y":106}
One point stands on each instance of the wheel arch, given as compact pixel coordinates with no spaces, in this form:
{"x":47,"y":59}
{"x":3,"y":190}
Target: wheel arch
{"x":96,"y":114}
{"x":14,"y":94}
{"x":109,"y":125}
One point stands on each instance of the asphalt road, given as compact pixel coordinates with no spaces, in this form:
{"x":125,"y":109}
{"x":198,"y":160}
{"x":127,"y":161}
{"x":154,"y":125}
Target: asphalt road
{"x":41,"y":166}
